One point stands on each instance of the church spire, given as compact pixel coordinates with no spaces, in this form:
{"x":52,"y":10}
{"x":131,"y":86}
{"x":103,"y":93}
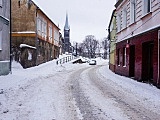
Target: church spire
{"x":66,"y":27}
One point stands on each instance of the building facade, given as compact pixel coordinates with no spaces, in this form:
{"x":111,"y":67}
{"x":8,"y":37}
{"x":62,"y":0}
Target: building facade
{"x":112,"y":41}
{"x":67,"y":43}
{"x":5,"y":64}
{"x":137,"y":41}
{"x":36,"y":31}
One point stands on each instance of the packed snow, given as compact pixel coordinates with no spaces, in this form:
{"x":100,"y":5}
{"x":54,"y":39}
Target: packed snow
{"x":38,"y":93}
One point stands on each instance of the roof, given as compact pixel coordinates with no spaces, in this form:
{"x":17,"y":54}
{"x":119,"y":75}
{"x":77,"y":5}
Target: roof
{"x":111,"y":18}
{"x":118,"y":3}
{"x":66,"y":27}
{"x":44,"y":13}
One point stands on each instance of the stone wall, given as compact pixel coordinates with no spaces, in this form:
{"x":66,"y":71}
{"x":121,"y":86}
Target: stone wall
{"x":23,"y":17}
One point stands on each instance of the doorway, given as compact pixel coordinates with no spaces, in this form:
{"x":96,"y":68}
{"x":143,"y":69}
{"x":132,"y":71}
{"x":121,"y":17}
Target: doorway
{"x":147,"y":61}
{"x":132,"y":61}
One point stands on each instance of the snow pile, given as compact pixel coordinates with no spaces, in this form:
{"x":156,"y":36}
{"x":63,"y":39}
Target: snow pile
{"x":39,"y":93}
{"x":34,"y":93}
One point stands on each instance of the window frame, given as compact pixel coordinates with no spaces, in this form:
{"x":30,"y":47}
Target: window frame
{"x":1,"y":39}
{"x":132,"y":11}
{"x":124,"y":56}
{"x":124,"y":18}
{"x":119,"y":27}
{"x":118,"y":57}
{"x":147,"y":7}
{"x":50,"y":33}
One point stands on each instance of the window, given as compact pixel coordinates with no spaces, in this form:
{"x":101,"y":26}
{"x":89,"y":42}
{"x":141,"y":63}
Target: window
{"x":118,"y":22}
{"x":39,"y":26}
{"x":147,"y":6}
{"x":1,"y":5}
{"x":45,"y":30}
{"x":118,"y":57}
{"x":124,"y":18}
{"x":1,"y":40}
{"x":124,"y":56}
{"x":56,"y":35}
{"x":50,"y":33}
{"x":133,"y":11}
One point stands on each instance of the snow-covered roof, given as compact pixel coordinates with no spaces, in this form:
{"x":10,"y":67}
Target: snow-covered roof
{"x":25,"y":45}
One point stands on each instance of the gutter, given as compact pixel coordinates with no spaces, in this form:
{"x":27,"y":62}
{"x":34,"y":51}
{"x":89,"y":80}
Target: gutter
{"x":118,"y":3}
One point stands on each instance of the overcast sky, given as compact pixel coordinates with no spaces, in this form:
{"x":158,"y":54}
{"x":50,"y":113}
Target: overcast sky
{"x":86,"y":17}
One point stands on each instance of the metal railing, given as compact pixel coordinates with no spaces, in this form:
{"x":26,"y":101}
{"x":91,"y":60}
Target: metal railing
{"x":65,"y":59}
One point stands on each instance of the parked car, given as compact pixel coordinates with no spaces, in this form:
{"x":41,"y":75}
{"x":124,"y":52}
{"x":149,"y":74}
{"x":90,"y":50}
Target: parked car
{"x":92,"y":62}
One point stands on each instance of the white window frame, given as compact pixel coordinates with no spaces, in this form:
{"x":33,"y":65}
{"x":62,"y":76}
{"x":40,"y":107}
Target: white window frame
{"x":50,"y":33}
{"x":1,"y":40}
{"x":1,"y":3}
{"x":119,"y":54}
{"x":119,"y":22}
{"x":125,"y":56}
{"x":45,"y":30}
{"x":146,"y":6}
{"x":1,"y":7}
{"x":39,"y":26}
{"x":132,"y":11}
{"x":56,"y":35}
{"x":124,"y":18}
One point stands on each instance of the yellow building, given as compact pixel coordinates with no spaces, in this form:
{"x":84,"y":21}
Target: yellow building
{"x":112,"y":39}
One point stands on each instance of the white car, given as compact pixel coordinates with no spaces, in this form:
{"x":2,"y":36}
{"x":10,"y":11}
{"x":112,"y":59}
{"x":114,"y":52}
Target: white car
{"x":92,"y":62}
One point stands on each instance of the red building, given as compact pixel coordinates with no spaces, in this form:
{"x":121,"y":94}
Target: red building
{"x":137,"y":42}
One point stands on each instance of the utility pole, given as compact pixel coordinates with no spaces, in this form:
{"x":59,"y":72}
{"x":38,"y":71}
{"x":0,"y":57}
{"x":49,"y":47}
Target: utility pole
{"x":76,"y":49}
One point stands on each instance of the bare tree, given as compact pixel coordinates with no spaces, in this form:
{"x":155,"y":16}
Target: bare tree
{"x":105,"y":44}
{"x":90,"y":44}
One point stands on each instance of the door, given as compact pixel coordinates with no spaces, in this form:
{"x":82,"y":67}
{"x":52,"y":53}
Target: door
{"x":132,"y":61}
{"x":147,"y":61}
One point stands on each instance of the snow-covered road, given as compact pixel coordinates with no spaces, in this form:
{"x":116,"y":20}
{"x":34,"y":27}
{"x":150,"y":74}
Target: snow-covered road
{"x":76,"y":92}
{"x":100,"y":98}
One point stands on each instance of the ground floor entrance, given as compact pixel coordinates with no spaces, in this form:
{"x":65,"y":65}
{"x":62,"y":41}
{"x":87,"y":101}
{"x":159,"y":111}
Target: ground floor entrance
{"x":147,"y":61}
{"x":132,"y":61}
{"x":141,"y":57}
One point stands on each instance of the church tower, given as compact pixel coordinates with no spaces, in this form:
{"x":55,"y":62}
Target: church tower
{"x":67,"y":35}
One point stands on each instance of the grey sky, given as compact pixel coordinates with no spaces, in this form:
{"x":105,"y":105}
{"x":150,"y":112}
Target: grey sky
{"x":86,"y":17}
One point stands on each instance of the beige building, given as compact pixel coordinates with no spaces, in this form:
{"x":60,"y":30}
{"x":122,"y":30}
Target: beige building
{"x":35,"y":37}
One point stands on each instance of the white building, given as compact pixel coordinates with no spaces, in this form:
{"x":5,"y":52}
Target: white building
{"x":4,"y":37}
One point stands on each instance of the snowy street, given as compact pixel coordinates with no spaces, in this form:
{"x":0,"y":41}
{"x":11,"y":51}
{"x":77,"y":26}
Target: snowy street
{"x":75,"y":92}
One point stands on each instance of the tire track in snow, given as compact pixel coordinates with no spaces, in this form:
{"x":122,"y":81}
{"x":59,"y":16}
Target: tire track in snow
{"x":124,"y":100}
{"x":86,"y":108}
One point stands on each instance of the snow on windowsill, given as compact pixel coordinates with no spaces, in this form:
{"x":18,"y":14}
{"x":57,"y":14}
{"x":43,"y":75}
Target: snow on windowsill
{"x":6,"y":61}
{"x":25,"y":45}
{"x":25,"y":32}
{"x":146,"y":14}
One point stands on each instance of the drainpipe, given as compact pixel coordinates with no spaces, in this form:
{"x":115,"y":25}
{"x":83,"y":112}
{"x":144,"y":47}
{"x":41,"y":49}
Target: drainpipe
{"x":10,"y":25}
{"x":36,"y":37}
{"x":158,"y":56}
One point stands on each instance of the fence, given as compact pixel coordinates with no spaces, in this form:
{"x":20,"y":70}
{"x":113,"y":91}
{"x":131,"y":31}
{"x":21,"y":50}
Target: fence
{"x":65,"y":59}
